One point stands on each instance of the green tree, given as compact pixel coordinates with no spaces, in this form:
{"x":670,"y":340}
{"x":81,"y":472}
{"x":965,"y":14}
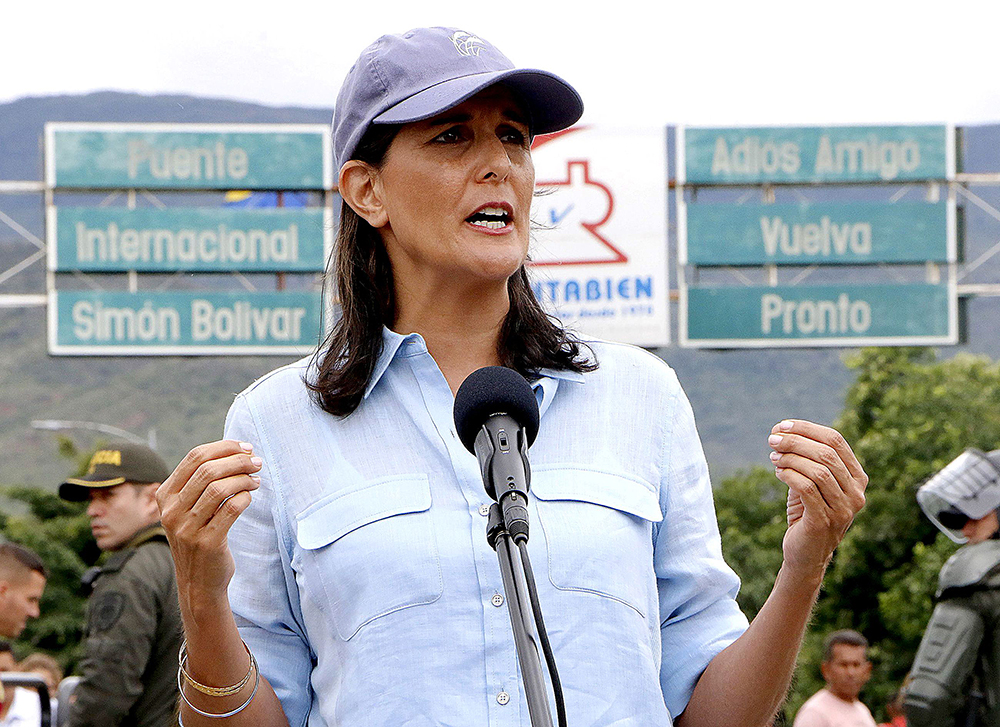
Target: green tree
{"x":906,"y":415}
{"x":59,"y":532}
{"x":751,"y":510}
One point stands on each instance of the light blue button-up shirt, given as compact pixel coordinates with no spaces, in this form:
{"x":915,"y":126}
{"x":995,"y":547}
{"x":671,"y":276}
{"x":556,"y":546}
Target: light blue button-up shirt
{"x":367,"y":591}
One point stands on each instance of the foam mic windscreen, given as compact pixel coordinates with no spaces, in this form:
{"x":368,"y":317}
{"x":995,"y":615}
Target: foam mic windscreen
{"x":494,"y":390}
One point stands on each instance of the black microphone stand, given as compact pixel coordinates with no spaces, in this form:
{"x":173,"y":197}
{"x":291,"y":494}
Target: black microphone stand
{"x":522,"y":617}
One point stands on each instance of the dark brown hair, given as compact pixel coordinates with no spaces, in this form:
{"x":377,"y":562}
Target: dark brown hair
{"x":847,"y":636}
{"x":14,"y":557}
{"x":530,"y":339}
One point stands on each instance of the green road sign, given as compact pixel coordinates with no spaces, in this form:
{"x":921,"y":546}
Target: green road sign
{"x":803,"y":234}
{"x":814,"y":154}
{"x":163,"y":240}
{"x":819,"y":315}
{"x":187,"y":156}
{"x":184,"y":323}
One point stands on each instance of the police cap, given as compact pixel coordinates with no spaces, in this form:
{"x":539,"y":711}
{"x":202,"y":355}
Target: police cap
{"x":113,"y":465}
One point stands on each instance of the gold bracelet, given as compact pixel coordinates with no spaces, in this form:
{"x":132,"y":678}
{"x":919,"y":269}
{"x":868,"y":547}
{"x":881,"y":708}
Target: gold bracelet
{"x":213,"y":691}
{"x":218,"y":715}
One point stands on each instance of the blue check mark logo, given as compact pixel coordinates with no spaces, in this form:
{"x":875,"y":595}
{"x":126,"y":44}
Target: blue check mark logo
{"x":555,"y":217}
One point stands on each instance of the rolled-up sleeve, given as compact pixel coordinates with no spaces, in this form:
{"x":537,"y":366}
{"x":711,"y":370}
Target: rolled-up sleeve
{"x":699,"y":616}
{"x":262,"y":593}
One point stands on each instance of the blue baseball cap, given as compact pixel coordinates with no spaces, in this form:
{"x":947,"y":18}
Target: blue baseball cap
{"x":403,"y":78}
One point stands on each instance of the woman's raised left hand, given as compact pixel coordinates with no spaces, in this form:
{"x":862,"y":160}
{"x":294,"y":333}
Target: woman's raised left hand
{"x":826,"y":489}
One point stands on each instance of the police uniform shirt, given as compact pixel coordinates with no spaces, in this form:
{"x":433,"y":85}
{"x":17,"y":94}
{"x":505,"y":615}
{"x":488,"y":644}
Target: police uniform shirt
{"x":133,"y":634}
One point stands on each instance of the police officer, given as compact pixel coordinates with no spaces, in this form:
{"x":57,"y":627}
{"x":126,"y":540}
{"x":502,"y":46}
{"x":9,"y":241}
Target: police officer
{"x":133,"y":630}
{"x":955,"y":679}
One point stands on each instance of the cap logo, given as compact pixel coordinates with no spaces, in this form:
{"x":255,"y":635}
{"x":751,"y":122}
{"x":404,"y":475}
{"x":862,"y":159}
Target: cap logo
{"x":466,"y":43}
{"x":105,"y":456}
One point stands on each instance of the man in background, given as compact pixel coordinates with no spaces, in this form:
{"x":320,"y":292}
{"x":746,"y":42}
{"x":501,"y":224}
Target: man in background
{"x":44,"y":666}
{"x":23,"y":707}
{"x":846,"y":670}
{"x":48,"y":669}
{"x":22,"y":581}
{"x":133,"y":630}
{"x":955,"y":677}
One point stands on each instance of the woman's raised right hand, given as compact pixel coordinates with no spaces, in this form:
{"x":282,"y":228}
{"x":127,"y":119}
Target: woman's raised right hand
{"x":198,"y":504}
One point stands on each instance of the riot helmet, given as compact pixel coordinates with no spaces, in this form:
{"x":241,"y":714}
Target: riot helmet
{"x":968,"y":488}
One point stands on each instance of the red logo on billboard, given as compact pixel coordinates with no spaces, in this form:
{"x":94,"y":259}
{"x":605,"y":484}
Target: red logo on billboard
{"x":578,"y":202}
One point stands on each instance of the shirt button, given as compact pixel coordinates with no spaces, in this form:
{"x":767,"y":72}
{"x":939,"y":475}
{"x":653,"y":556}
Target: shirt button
{"x":503,"y":698}
{"x":497,"y":600}
{"x":484,"y":510}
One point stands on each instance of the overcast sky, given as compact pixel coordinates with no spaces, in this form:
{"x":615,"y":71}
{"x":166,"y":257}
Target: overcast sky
{"x":692,"y":62}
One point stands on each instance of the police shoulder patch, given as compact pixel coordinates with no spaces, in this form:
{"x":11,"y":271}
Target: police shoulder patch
{"x":106,"y":609}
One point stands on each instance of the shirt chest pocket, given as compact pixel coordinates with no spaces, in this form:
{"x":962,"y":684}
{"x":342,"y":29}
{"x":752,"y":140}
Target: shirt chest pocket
{"x":370,"y":550}
{"x":598,"y":533}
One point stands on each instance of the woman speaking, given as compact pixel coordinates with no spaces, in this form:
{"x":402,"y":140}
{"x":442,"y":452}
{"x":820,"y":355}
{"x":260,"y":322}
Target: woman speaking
{"x":355,"y":585}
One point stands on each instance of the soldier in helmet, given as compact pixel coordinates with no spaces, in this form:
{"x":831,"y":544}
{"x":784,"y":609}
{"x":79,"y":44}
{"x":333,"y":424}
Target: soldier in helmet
{"x":133,"y":630}
{"x":955,"y":679}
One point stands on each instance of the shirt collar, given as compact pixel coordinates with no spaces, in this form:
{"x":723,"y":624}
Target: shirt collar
{"x":575,"y":376}
{"x":545,"y":386}
{"x":392,"y":342}
{"x":548,"y":383}
{"x":145,"y":534}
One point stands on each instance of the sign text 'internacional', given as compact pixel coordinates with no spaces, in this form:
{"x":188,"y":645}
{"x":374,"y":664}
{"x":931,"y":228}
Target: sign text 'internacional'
{"x":153,"y":322}
{"x":187,"y":156}
{"x":112,"y":239}
{"x":835,"y":154}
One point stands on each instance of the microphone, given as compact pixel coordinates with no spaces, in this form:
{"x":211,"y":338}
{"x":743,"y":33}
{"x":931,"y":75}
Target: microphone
{"x":496,"y":416}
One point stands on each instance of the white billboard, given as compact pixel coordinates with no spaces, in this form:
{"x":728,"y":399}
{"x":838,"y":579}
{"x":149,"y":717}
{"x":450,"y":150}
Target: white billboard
{"x":600,"y":261}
